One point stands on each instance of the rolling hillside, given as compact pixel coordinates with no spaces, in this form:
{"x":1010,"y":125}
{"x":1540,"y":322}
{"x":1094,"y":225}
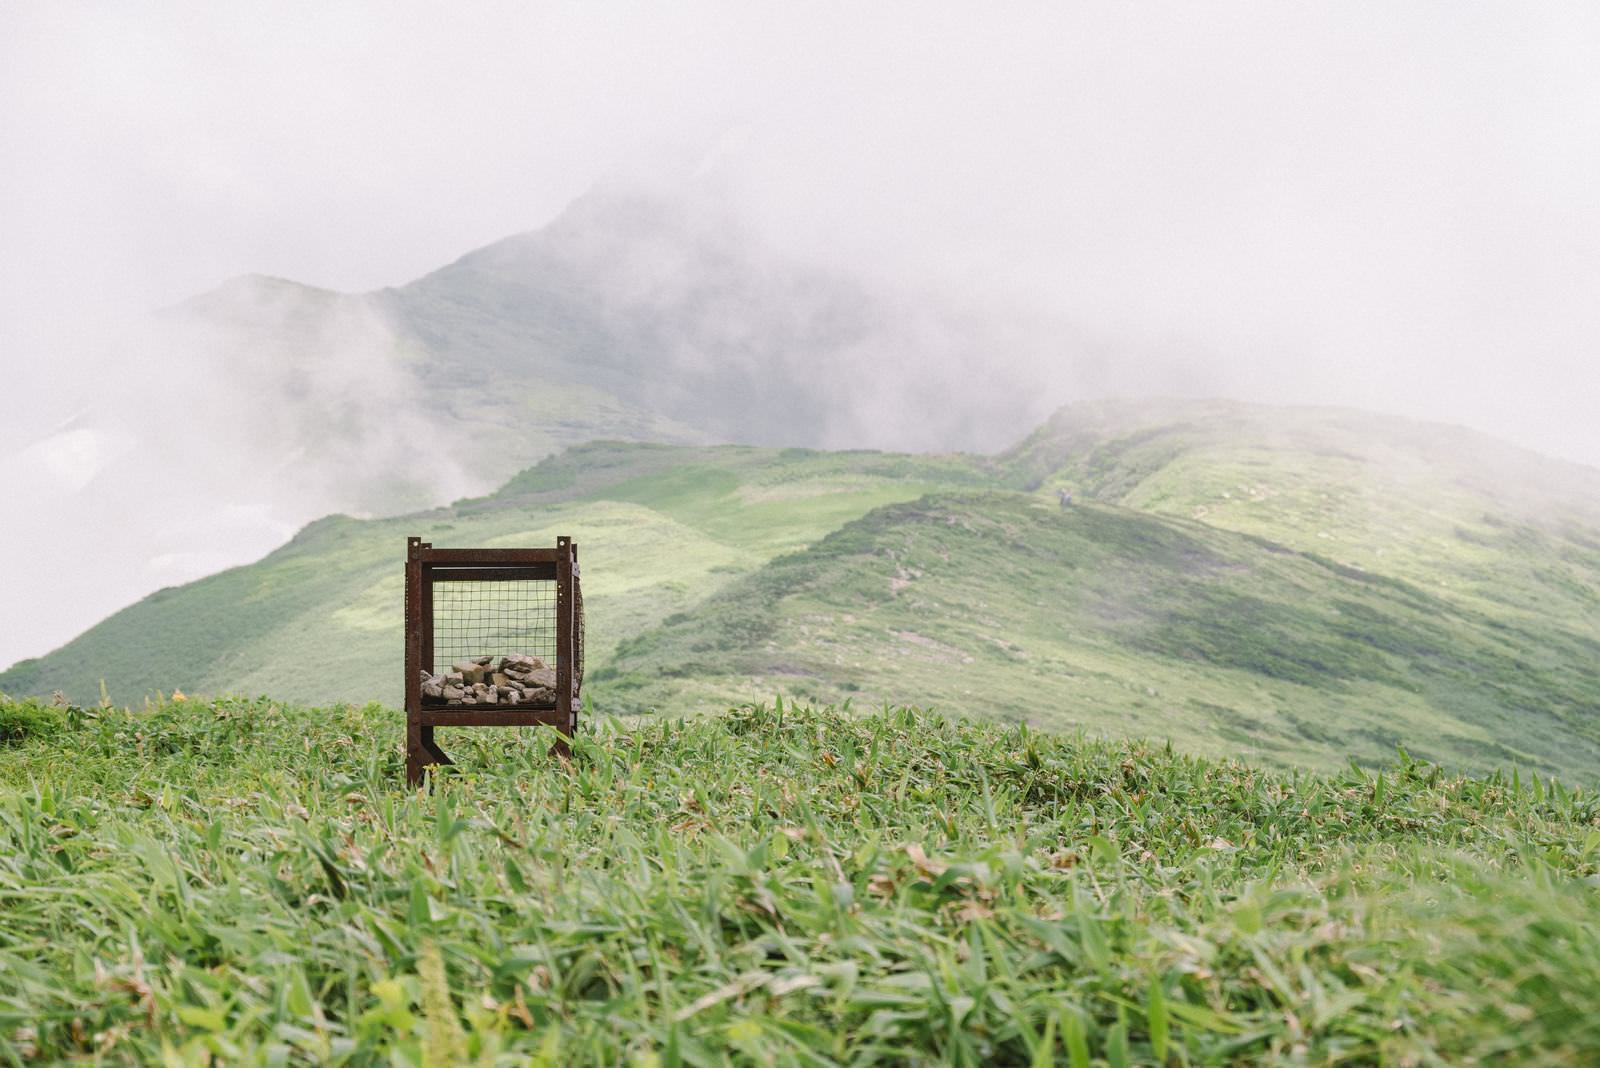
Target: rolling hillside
{"x":1303,"y":585}
{"x":1002,"y":606}
{"x":659,"y":528}
{"x":1445,"y":508}
{"x":628,"y":317}
{"x":242,"y":414}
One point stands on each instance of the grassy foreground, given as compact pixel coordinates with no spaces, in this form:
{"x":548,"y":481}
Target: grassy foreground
{"x":243,"y":882}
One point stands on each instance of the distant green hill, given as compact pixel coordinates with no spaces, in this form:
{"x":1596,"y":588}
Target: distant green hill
{"x":1443,"y":507}
{"x":1002,"y":606}
{"x":627,"y":317}
{"x":659,"y":528}
{"x":1304,"y":585}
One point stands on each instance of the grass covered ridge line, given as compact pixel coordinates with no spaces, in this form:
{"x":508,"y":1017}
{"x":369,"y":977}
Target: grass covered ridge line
{"x":247,"y":882}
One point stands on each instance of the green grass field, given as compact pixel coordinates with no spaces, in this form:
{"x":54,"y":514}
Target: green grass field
{"x":246,"y":882}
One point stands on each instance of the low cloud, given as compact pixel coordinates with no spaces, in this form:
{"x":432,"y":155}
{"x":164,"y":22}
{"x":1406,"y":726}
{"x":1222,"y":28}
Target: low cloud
{"x":1396,"y":208}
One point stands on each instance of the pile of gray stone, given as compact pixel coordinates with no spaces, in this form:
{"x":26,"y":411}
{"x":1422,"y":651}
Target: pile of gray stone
{"x":519,"y":679}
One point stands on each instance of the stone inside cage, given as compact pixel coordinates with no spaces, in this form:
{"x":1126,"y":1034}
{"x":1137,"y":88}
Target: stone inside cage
{"x":519,"y":679}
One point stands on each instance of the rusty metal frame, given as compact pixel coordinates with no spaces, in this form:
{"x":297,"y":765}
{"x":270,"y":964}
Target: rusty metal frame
{"x":425,"y":565}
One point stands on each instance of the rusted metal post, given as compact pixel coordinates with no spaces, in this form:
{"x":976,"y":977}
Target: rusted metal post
{"x":421,"y":750}
{"x":564,"y":676}
{"x":413,"y":690}
{"x":575,"y":627}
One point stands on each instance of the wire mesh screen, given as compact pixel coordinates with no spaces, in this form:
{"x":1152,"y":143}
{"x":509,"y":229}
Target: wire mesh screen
{"x":473,"y":619}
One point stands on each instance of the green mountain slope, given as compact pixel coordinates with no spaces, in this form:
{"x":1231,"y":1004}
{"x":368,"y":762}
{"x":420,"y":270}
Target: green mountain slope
{"x":658,"y":527}
{"x":1003,"y":606}
{"x":676,"y":308}
{"x":628,"y":317}
{"x":1305,"y":585}
{"x":1446,"y":508}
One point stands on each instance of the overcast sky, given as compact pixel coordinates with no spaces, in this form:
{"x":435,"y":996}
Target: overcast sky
{"x":1395,"y":206}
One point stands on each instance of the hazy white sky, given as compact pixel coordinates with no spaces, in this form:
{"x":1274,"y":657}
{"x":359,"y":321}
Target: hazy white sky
{"x":1389,"y":205}
{"x":1395,"y":204}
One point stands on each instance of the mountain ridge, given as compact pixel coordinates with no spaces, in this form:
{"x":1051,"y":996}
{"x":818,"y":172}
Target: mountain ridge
{"x":1470,"y":638}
